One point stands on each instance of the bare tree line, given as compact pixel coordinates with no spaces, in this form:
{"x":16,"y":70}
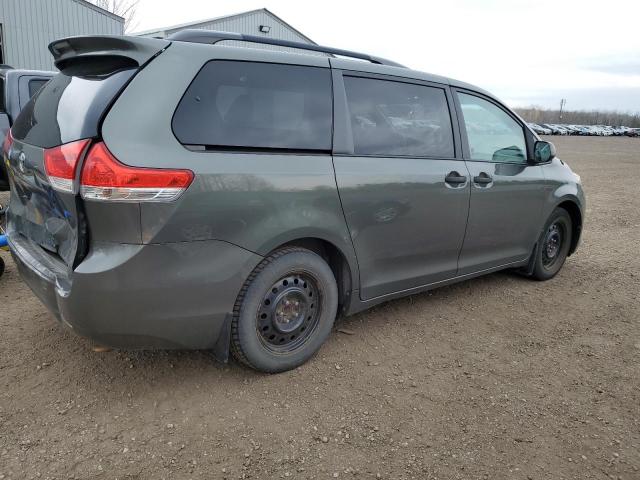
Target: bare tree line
{"x":123,"y":8}
{"x":579,"y":117}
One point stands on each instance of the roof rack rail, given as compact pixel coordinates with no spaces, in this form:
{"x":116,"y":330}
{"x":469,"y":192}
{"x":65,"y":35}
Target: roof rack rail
{"x":212,"y":37}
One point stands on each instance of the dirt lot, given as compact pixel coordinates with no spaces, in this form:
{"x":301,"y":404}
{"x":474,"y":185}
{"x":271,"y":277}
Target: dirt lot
{"x":494,"y":378}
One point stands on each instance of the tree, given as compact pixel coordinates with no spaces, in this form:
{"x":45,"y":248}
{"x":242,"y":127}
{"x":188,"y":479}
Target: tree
{"x":123,"y":8}
{"x":593,"y":117}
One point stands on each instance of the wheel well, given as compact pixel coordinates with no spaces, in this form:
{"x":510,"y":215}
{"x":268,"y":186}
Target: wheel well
{"x":576,"y":223}
{"x":336,"y":260}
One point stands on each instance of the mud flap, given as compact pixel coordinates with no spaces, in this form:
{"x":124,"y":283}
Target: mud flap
{"x":528,"y":270}
{"x":221,"y":348}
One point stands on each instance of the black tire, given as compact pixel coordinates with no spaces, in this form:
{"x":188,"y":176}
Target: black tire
{"x":1,"y":267}
{"x":553,"y":245}
{"x":285,"y":311}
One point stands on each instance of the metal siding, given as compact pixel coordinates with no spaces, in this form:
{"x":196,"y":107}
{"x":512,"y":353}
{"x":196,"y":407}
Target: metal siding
{"x":30,"y":25}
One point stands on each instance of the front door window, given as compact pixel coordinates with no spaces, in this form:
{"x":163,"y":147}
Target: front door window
{"x":493,"y":135}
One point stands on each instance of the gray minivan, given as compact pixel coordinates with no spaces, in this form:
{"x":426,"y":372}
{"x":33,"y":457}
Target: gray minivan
{"x":182,"y":194}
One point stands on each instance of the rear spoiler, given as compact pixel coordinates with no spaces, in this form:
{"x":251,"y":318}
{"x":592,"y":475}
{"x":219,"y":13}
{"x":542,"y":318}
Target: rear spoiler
{"x":90,"y":49}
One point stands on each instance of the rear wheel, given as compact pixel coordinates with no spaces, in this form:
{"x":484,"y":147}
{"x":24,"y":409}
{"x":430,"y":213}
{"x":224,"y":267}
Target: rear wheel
{"x":285,"y":311}
{"x":553,"y":245}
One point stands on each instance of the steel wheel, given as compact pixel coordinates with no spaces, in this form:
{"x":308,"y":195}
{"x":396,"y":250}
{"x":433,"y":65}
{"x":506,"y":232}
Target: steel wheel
{"x":289,"y":313}
{"x":284,"y":311}
{"x":553,"y":245}
{"x":553,"y":242}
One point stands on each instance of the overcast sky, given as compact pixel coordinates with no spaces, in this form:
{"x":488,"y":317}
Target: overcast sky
{"x":526,"y":52}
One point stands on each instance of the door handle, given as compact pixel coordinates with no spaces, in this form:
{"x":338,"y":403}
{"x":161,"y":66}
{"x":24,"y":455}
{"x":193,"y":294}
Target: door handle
{"x":482,"y":179}
{"x":454,"y":178}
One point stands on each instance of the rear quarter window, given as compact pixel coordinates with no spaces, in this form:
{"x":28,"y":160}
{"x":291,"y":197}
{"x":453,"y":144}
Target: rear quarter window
{"x":236,"y":104}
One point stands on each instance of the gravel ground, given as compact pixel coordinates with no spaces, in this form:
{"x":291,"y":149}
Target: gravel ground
{"x":494,"y":378}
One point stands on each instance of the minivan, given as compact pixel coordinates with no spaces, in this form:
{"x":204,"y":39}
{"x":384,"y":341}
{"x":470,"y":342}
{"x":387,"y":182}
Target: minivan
{"x":179,"y":193}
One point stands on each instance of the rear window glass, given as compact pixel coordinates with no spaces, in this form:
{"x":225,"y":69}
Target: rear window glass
{"x":256,"y":105}
{"x":68,"y":108}
{"x":398,"y":119}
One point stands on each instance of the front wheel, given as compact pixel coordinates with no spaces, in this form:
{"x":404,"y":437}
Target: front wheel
{"x":553,"y":245}
{"x":285,"y":311}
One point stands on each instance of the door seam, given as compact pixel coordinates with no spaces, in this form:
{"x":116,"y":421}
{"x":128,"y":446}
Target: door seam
{"x":346,"y":224}
{"x":466,"y":223}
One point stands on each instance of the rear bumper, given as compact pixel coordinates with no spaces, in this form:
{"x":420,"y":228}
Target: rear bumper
{"x":178,"y":295}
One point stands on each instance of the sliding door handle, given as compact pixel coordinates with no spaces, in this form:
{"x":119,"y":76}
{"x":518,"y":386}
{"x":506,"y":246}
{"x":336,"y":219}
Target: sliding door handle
{"x":483,"y":179}
{"x":454,"y":178}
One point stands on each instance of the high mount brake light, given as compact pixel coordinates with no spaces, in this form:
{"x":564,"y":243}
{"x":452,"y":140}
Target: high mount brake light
{"x":60,"y":164}
{"x":105,"y":178}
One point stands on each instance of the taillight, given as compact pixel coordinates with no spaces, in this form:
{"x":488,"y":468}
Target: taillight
{"x":60,"y":164}
{"x":8,"y":141}
{"x":105,"y":178}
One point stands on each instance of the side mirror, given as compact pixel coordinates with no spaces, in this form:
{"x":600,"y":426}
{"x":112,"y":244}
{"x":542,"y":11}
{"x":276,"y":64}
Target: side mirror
{"x":543,"y":152}
{"x":509,"y":154}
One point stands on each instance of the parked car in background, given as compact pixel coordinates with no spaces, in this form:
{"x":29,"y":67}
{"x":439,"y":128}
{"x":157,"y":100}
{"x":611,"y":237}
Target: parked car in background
{"x":539,"y":129}
{"x":551,"y":127}
{"x":633,"y":132}
{"x":267,"y":193}
{"x":558,"y":129}
{"x":595,"y":130}
{"x":606,"y":130}
{"x":16,"y":88}
{"x":599,"y":130}
{"x":620,"y":130}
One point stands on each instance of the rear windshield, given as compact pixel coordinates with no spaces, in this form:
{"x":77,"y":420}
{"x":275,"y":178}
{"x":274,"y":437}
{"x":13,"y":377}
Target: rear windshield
{"x":236,"y":104}
{"x":68,"y":108}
